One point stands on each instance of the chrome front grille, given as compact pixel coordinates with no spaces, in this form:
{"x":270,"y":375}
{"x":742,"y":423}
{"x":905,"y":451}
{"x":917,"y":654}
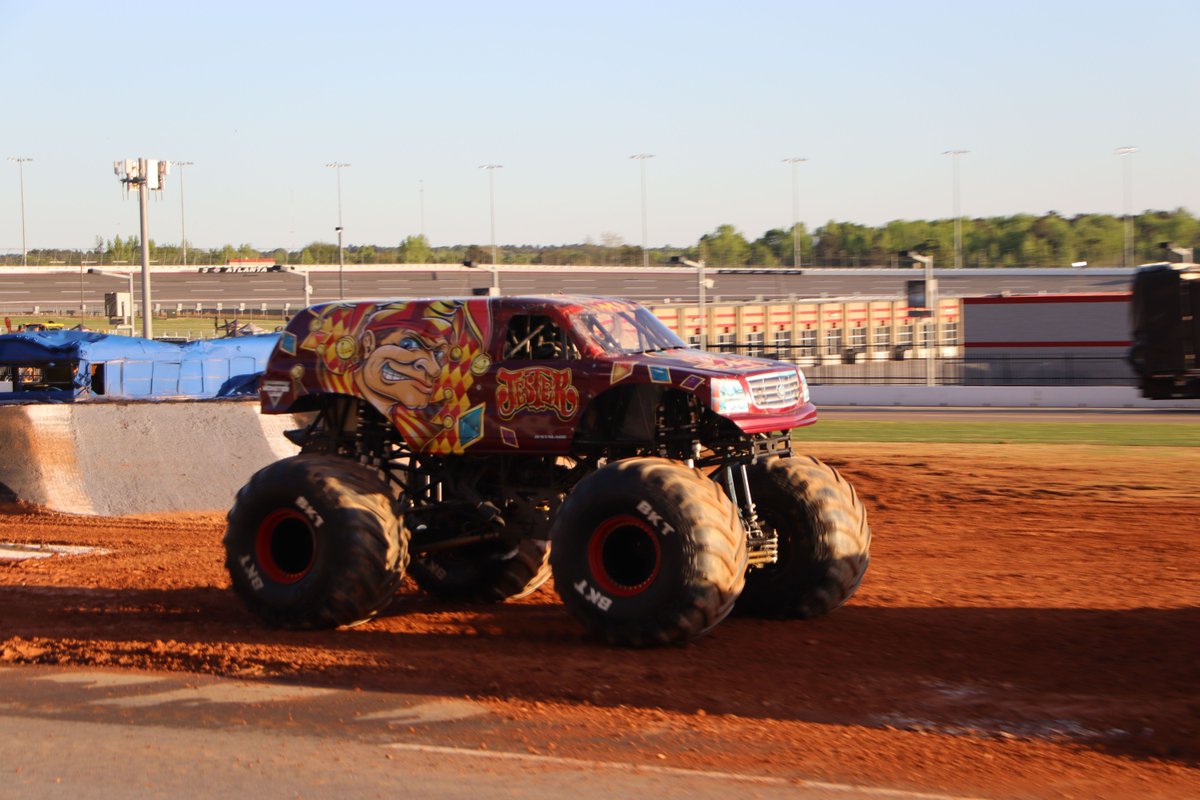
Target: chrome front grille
{"x":775,"y":389}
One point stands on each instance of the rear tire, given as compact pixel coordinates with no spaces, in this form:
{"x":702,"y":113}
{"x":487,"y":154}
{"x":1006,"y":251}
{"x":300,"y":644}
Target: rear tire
{"x":824,"y":539}
{"x":491,"y":572}
{"x":648,"y":552}
{"x":1158,"y":388}
{"x":313,"y":541}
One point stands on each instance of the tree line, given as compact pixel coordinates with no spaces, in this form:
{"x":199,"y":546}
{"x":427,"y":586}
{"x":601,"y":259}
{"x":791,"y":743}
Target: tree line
{"x":1020,"y":240}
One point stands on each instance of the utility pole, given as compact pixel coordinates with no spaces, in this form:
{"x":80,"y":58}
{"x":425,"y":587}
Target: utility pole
{"x":491,"y":171}
{"x":182,"y":214}
{"x":641,"y":158}
{"x":1126,"y":154}
{"x":338,"y":165}
{"x":146,"y":176}
{"x":957,"y":213}
{"x":21,"y":161}
{"x":703,"y":284}
{"x":925,"y":304}
{"x":795,"y":162}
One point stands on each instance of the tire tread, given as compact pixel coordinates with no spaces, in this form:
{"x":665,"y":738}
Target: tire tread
{"x":371,"y":540}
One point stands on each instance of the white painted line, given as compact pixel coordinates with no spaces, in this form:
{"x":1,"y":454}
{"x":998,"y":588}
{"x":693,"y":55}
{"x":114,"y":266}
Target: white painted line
{"x":15,"y":554}
{"x":220,"y":693}
{"x":99,"y":679}
{"x":423,"y":713}
{"x":577,"y":763}
{"x":14,"y":551}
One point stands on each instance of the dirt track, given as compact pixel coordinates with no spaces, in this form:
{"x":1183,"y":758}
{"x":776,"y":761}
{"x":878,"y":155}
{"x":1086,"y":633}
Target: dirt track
{"x":1029,"y":627}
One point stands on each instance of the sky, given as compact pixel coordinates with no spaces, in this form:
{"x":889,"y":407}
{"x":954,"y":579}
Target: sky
{"x":415,"y":96}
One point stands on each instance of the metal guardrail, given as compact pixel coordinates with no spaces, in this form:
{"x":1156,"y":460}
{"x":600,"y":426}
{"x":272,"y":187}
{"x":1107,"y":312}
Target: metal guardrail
{"x":910,"y":369}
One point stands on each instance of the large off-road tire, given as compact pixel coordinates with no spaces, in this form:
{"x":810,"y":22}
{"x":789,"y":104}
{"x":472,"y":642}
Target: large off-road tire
{"x":490,"y":572}
{"x":647,"y":552}
{"x":1157,"y":388}
{"x":313,"y":541}
{"x":824,"y":539}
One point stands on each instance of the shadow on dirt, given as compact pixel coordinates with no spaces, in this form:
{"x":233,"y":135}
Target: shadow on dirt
{"x":1122,"y":681}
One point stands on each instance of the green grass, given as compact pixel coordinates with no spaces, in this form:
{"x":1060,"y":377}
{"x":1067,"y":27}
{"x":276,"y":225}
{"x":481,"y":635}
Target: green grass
{"x":1156,"y":434}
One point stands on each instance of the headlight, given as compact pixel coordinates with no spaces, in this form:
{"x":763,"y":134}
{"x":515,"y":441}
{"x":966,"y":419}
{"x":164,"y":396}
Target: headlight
{"x":804,"y":398}
{"x":729,"y":396}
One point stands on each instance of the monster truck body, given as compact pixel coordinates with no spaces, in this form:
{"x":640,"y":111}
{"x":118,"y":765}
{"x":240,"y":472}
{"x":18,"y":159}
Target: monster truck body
{"x":1165,"y":312}
{"x":474,"y":433}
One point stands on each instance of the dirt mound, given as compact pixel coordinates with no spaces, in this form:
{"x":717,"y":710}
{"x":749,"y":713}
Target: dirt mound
{"x":1027,"y":627}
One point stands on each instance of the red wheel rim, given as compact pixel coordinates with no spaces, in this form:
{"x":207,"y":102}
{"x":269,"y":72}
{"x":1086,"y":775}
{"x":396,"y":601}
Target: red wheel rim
{"x":624,"y":556}
{"x":286,"y":546}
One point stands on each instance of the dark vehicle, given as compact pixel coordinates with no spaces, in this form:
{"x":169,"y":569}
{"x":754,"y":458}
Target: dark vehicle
{"x":481,"y":444}
{"x":1166,"y":330}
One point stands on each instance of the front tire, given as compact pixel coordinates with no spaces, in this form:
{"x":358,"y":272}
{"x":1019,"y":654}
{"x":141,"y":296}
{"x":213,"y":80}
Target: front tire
{"x":647,"y":552}
{"x":312,"y":541}
{"x":824,"y":539}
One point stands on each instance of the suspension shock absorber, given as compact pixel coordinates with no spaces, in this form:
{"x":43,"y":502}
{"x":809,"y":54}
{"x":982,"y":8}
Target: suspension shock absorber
{"x":762,"y":546}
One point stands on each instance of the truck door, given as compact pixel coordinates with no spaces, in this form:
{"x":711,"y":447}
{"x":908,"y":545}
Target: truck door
{"x":534,"y":400}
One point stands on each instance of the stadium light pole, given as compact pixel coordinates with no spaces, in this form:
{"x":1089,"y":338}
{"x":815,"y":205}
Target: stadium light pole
{"x":795,"y":162}
{"x":21,"y":161}
{"x":145,"y":175}
{"x":182,"y":214}
{"x":957,"y":212}
{"x":338,"y":165}
{"x":491,"y":171}
{"x":641,"y":158}
{"x":1126,"y":154}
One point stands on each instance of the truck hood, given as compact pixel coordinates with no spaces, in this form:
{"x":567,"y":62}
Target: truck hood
{"x":757,"y":394}
{"x":708,"y":363}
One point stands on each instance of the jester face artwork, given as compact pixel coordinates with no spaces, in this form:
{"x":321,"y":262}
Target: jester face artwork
{"x":400,"y":366}
{"x":413,"y":361}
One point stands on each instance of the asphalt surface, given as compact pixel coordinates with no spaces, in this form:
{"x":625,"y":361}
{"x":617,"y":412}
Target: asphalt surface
{"x":67,"y":290}
{"x":87,"y":733}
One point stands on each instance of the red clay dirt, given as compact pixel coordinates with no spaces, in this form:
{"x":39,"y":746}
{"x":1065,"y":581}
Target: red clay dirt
{"x":1029,"y":627}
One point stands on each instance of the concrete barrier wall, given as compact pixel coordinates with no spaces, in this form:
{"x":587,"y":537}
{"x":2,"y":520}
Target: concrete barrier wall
{"x":992,"y":396}
{"x":134,"y":458}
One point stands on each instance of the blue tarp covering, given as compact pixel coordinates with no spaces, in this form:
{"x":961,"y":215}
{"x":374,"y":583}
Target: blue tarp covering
{"x":84,"y":365}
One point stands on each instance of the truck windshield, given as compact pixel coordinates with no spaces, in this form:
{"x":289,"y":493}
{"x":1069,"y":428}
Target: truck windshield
{"x":628,"y":330}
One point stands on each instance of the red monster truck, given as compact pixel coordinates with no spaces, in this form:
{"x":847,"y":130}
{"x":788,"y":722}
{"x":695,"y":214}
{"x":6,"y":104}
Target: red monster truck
{"x":480,"y":445}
